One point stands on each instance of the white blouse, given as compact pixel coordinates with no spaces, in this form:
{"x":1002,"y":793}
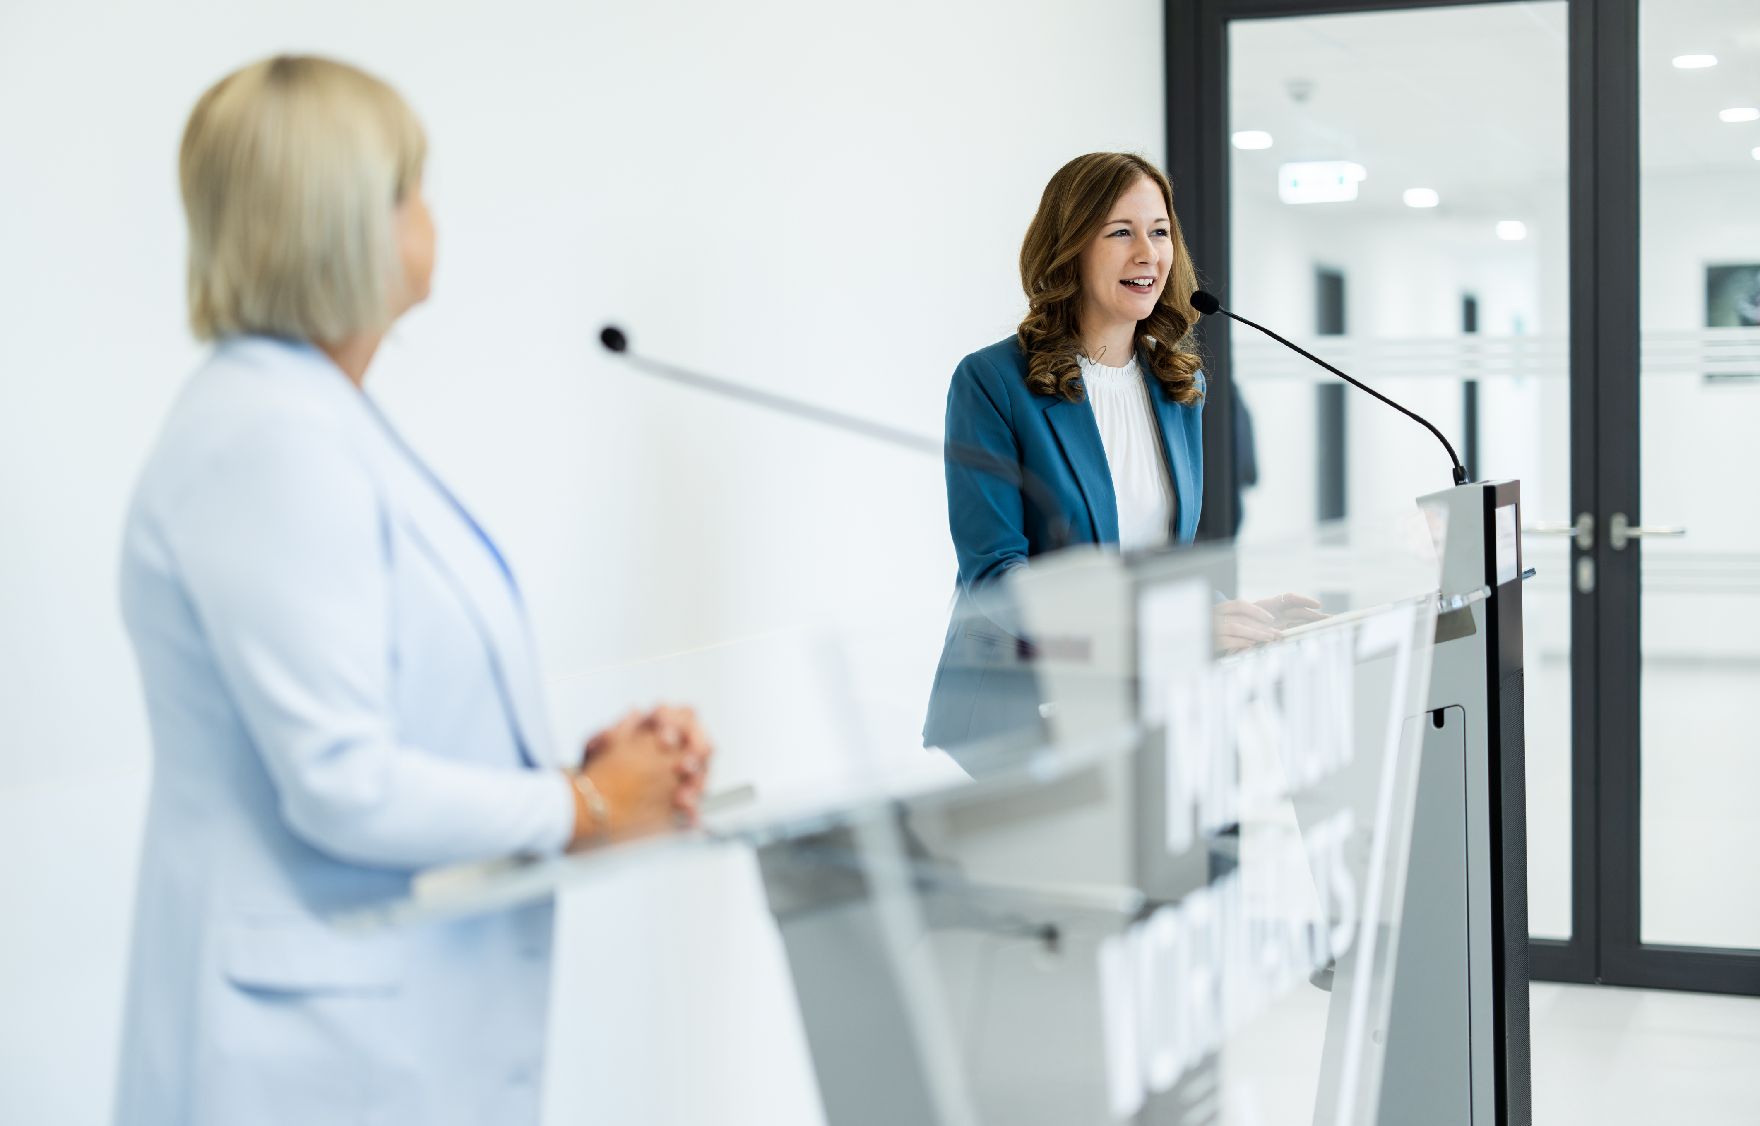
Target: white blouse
{"x":1132,"y":439}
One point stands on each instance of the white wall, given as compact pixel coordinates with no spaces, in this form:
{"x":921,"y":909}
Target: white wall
{"x":819,"y":199}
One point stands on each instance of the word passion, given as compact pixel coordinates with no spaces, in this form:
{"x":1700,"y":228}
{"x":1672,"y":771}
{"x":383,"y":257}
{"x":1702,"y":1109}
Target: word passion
{"x":1177,"y":983}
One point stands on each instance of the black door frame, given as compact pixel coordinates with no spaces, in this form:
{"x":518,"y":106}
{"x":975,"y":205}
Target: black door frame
{"x":1604,"y":945}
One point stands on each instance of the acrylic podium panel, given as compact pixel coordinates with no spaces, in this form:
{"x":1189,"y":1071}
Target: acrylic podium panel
{"x":1185,"y":906}
{"x":1181,"y":904}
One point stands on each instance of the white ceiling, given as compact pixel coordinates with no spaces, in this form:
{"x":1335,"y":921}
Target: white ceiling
{"x":1472,"y":101}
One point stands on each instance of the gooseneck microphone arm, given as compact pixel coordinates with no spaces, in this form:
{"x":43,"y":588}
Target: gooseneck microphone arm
{"x":1206,"y":304}
{"x":972,"y":457}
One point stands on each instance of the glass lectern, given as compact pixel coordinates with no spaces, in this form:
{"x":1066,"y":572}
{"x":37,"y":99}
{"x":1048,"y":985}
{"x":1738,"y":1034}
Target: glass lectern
{"x":1173,"y":895}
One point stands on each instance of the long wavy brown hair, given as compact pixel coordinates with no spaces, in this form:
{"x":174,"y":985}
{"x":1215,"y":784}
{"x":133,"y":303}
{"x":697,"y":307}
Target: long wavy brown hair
{"x":1074,"y":207}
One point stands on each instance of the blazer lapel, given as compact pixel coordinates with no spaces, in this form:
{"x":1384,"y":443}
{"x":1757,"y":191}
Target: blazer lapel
{"x":461,"y":550}
{"x":437,"y":522}
{"x":1079,"y":437}
{"x":490,"y":603}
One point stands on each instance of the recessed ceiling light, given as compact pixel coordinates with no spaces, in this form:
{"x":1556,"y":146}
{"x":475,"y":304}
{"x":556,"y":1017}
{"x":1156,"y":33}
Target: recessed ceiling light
{"x":1739,"y":113}
{"x":1512,"y":230}
{"x":1694,"y":62}
{"x":1422,"y":197}
{"x":1252,"y":139}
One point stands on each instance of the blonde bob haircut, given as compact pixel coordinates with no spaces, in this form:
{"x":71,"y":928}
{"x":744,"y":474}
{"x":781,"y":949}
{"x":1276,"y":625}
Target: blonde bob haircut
{"x":292,"y":169}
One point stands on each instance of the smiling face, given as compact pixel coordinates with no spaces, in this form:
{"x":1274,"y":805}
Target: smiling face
{"x":1124,"y":267}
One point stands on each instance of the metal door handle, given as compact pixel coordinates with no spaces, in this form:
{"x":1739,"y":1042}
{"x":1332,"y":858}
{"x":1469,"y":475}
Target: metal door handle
{"x":1620,"y":531}
{"x":1583,"y":531}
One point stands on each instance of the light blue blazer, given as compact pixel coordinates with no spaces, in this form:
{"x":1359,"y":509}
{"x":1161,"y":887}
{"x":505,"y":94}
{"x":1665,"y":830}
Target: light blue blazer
{"x":342,"y":689}
{"x":984,"y":685}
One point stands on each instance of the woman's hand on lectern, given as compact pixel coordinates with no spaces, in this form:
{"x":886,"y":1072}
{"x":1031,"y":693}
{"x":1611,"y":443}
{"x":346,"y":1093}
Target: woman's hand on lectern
{"x":1291,"y":610}
{"x":647,"y":772}
{"x":680,"y":727}
{"x":1239,"y":624}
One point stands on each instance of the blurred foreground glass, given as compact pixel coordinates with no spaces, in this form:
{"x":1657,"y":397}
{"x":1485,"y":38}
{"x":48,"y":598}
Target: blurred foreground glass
{"x":1185,"y":902}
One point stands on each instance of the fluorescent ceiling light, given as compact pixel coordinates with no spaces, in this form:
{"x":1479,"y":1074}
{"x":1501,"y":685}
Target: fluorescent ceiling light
{"x":1422,"y":197}
{"x":1694,"y":62}
{"x":1739,"y":113}
{"x":1512,"y":230}
{"x":1319,"y":181}
{"x":1251,"y":139}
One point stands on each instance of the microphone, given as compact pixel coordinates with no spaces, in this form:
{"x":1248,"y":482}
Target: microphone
{"x":972,"y":457}
{"x":1207,"y":304}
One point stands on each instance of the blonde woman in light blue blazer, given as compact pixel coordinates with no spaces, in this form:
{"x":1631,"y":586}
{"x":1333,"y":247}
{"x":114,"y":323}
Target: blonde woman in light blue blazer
{"x":338,"y":671}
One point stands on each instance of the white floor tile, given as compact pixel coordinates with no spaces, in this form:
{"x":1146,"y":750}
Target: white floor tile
{"x":1634,"y":1057}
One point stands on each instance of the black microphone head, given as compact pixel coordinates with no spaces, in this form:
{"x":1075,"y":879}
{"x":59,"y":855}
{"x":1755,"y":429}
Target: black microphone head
{"x":613,"y":338}
{"x":1205,"y":303}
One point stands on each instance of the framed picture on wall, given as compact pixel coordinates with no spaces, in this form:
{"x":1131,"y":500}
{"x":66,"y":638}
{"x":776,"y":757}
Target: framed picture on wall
{"x":1732,"y":300}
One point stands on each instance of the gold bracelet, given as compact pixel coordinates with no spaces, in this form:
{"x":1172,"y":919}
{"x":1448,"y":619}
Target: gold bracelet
{"x":596,"y":807}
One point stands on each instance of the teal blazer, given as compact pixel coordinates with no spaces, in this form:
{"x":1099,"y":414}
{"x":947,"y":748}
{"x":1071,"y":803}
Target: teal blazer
{"x":984,"y":686}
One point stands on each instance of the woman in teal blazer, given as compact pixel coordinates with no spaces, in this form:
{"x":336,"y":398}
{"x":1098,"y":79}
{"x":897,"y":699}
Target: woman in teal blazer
{"x":1108,"y":282}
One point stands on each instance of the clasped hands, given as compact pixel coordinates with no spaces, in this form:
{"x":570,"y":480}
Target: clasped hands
{"x":1239,"y":624}
{"x":650,"y":769}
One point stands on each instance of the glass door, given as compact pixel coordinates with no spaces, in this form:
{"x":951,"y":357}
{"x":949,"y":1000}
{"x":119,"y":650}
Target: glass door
{"x":1407,"y":220}
{"x":1539,"y":225}
{"x":1687,"y":545}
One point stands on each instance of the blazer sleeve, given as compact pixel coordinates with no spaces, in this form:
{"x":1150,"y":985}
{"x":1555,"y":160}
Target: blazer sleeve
{"x":282,"y":547}
{"x":985,"y":511}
